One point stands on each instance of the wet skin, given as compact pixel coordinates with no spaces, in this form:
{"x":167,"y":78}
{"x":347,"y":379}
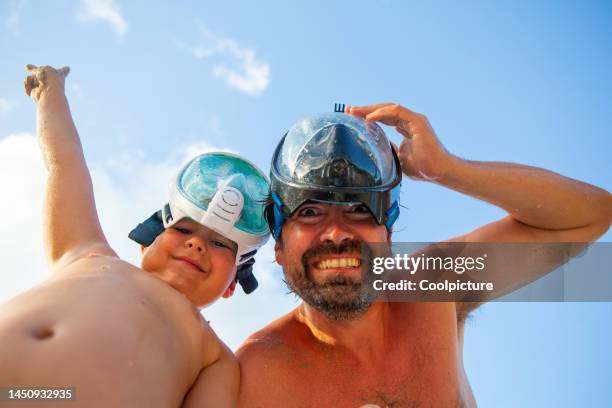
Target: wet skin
{"x":119,"y":335}
{"x":111,"y":331}
{"x":401,"y":354}
{"x":394,"y":354}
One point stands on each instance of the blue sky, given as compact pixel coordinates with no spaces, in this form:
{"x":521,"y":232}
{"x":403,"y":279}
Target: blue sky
{"x":152,"y":84}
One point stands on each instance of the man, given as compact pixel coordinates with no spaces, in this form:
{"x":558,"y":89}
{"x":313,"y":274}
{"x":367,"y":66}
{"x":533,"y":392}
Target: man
{"x":341,"y":349}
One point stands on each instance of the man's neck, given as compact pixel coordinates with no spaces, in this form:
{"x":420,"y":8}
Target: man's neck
{"x":363,"y":336}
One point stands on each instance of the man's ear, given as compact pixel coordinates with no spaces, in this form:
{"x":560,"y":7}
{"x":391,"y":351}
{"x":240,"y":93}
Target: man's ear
{"x":278,"y":252}
{"x":230,"y":290}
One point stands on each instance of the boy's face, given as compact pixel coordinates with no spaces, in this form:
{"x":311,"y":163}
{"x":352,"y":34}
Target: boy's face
{"x":195,"y":260}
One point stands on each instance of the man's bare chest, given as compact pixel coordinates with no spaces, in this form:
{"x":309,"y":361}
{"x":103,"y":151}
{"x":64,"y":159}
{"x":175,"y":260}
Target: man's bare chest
{"x":404,"y":379}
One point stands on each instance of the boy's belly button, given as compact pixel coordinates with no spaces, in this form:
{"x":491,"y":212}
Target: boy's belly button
{"x":43,"y":332}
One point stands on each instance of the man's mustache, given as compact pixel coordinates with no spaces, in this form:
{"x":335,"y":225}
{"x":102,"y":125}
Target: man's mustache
{"x":351,"y":246}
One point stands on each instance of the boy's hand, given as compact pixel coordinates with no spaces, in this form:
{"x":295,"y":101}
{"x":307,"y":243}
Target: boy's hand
{"x":422,"y":155}
{"x":44,"y":79}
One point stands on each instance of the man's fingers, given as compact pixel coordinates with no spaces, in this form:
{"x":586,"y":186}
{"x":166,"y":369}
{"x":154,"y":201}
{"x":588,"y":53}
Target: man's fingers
{"x":365,"y":110}
{"x":403,"y":119}
{"x":394,"y":115}
{"x":389,"y":115}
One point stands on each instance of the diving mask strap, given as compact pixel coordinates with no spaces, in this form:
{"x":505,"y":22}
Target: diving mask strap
{"x":391,"y":215}
{"x":245,"y":277}
{"x":146,"y":232}
{"x":277,"y":216}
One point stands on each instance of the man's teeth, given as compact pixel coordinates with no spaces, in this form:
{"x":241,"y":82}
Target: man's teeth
{"x":338,"y":263}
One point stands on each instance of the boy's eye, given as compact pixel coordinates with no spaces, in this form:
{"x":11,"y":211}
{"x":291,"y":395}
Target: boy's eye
{"x":184,"y":231}
{"x":220,"y":244}
{"x":225,"y":246}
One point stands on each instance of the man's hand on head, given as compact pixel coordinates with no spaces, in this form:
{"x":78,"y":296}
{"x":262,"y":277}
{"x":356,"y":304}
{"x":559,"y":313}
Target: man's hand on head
{"x":422,"y":155}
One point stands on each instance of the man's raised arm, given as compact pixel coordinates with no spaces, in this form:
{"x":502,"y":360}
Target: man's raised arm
{"x":71,"y":225}
{"x":542,"y":206}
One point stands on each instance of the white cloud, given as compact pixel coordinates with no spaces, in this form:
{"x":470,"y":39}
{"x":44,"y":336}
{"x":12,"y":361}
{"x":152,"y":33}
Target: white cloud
{"x":128,"y":188}
{"x":6,"y":105}
{"x":105,"y":10}
{"x":13,"y":20}
{"x":239,"y":66}
{"x":22,"y":180}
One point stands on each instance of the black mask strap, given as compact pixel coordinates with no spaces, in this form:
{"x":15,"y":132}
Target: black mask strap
{"x":146,"y":232}
{"x":245,"y":277}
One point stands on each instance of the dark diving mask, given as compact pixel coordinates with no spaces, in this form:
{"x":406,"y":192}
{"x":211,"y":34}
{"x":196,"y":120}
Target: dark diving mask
{"x":334,"y":158}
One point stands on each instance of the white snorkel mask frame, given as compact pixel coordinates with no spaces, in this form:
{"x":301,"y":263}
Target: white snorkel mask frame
{"x":223,"y":211}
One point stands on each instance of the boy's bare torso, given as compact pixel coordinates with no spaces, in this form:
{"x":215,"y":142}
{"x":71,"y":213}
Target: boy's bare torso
{"x":115,"y":334}
{"x":420,"y":366}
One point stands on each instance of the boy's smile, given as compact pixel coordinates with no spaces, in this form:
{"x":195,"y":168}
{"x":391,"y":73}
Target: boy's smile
{"x":193,"y":259}
{"x":190,"y":262}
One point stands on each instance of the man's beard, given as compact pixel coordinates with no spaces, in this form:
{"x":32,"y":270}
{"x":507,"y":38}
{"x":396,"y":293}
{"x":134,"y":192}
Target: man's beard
{"x":338,"y":297}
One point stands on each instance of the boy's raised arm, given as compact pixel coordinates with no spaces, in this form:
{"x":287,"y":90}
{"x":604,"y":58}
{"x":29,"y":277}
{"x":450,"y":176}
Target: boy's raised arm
{"x":71,"y":226}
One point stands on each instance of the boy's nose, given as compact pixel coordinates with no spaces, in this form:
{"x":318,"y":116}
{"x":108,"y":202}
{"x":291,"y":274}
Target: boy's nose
{"x":191,"y":244}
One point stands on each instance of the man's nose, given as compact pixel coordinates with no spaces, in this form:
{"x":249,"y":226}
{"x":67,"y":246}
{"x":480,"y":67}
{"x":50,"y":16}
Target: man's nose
{"x":335,"y":232}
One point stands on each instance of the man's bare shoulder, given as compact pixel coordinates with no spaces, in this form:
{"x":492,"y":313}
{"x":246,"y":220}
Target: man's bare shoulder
{"x":266,"y":360}
{"x":266,"y":343}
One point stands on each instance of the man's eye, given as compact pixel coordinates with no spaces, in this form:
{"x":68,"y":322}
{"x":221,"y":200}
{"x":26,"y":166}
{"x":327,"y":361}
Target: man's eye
{"x":360,"y":209}
{"x":359,"y":213}
{"x":183,"y":231}
{"x":309,"y":212}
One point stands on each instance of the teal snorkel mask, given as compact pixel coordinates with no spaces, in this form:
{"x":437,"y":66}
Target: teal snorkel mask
{"x":225,"y":193}
{"x":334,"y":158}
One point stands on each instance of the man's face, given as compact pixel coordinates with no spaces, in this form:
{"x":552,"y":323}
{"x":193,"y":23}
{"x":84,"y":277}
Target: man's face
{"x":195,"y":260}
{"x":326,"y":257}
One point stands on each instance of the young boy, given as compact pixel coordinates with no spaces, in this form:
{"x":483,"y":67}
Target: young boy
{"x":107,"y":330}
